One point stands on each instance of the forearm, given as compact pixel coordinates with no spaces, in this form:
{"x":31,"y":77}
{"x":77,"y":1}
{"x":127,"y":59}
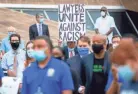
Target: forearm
{"x":96,"y":30}
{"x":67,"y":92}
{"x":110,"y":31}
{"x":113,"y":88}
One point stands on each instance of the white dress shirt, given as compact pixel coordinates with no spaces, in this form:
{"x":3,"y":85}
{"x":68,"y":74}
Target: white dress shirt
{"x":104,"y":24}
{"x":73,"y":52}
{"x":39,"y":29}
{"x":8,"y":61}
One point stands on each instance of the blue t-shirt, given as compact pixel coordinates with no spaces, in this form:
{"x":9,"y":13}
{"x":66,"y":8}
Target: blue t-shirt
{"x":129,"y":88}
{"x":126,"y":87}
{"x":1,"y":74}
{"x":54,"y":78}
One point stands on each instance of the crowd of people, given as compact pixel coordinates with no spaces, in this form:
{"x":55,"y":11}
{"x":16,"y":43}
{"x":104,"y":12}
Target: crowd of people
{"x":102,"y":64}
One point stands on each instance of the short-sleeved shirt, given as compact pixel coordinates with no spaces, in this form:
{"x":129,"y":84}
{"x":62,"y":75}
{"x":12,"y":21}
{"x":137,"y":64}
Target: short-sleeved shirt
{"x":54,"y":78}
{"x":8,"y":61}
{"x":129,"y":88}
{"x":1,"y":74}
{"x":6,"y":46}
{"x":104,"y":24}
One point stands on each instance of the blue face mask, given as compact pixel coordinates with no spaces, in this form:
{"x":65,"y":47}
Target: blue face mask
{"x":37,"y":55}
{"x":30,"y":53}
{"x":83,"y":51}
{"x":71,"y":49}
{"x":10,"y":33}
{"x":41,"y":20}
{"x":126,"y":73}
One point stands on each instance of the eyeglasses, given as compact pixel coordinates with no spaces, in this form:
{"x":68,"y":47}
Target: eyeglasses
{"x":14,"y":41}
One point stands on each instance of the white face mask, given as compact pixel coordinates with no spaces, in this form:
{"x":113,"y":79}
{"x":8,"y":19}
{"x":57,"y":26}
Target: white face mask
{"x":103,"y":13}
{"x":115,"y":45}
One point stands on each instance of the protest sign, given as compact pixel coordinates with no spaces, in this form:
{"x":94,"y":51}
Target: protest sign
{"x":72,"y":23}
{"x":10,"y":85}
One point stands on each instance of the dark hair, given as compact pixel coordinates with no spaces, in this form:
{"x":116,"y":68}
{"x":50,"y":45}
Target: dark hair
{"x":38,"y":14}
{"x":116,"y":36}
{"x":84,"y":39}
{"x":59,"y":49}
{"x":15,"y":35}
{"x":29,"y":42}
{"x":47,"y":39}
{"x":130,"y":35}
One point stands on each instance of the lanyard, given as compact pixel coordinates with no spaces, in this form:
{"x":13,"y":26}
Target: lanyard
{"x":43,"y":77}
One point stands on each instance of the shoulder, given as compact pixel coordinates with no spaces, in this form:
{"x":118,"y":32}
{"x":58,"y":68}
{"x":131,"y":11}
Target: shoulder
{"x":8,"y":53}
{"x":5,"y":39}
{"x":88,"y":57}
{"x":22,"y":51}
{"x":110,"y":17}
{"x":32,"y":25}
{"x":98,"y":19}
{"x":65,"y":48}
{"x":30,"y":69}
{"x":59,"y":63}
{"x":74,"y":58}
{"x":45,"y":25}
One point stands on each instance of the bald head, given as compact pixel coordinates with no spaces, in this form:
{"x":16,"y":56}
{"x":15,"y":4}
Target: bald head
{"x":103,"y":9}
{"x":11,"y":29}
{"x":98,"y":38}
{"x":103,"y":12}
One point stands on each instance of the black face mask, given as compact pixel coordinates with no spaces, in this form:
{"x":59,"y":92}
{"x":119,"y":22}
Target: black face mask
{"x":97,"y":48}
{"x":60,"y":58}
{"x":15,"y":45}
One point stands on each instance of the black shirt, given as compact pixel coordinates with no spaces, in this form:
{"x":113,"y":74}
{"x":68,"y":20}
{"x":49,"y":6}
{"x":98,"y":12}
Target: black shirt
{"x":99,"y":78}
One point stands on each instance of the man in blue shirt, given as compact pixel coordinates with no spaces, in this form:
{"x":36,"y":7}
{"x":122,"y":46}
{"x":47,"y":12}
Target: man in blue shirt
{"x":1,"y":75}
{"x":46,"y":75}
{"x":5,"y":44}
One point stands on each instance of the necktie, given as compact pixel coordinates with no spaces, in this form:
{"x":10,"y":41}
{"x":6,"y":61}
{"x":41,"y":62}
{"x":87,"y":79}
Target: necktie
{"x":71,"y":53}
{"x":15,"y":65}
{"x":40,"y":30}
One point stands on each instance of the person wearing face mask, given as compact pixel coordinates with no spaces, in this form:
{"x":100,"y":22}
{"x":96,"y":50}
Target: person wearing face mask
{"x":83,"y":46}
{"x":57,"y":52}
{"x":70,"y":50}
{"x":13,"y":61}
{"x":96,"y":66}
{"x":5,"y":44}
{"x":115,"y":42}
{"x":125,"y":56}
{"x":29,"y":48}
{"x":105,"y":24}
{"x":48,"y":75}
{"x":38,"y":29}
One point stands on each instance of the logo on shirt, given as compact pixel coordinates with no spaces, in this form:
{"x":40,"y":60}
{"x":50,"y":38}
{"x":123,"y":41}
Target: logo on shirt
{"x":97,"y":68}
{"x":50,"y":72}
